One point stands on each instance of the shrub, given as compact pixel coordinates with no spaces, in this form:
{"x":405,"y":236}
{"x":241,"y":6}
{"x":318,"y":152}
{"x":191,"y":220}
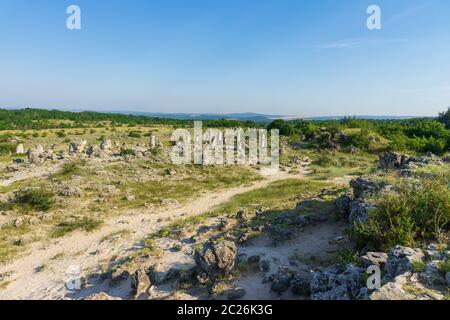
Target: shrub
{"x":72,"y":168}
{"x":37,"y":199}
{"x":85,"y":224}
{"x":323,"y":160}
{"x":135,"y":134}
{"x":6,"y":148}
{"x":417,"y":212}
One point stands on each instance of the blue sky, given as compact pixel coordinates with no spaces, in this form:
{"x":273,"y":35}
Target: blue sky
{"x":295,"y":57}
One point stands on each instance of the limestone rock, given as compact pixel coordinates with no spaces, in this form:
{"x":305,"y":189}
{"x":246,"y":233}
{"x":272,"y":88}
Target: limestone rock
{"x":400,"y":260}
{"x":215,"y":259}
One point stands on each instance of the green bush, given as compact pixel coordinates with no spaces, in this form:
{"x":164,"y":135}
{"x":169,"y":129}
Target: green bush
{"x":36,"y":199}
{"x":135,"y":134}
{"x":85,"y":224}
{"x":6,"y":148}
{"x":323,"y":160}
{"x":418,"y":212}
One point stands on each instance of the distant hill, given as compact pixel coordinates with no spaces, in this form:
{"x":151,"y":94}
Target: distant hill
{"x":257,"y":117}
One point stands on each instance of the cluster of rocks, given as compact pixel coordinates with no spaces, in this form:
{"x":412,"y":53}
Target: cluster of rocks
{"x":395,"y":161}
{"x":399,"y":274}
{"x":355,"y":208}
{"x":37,"y":154}
{"x":288,"y":223}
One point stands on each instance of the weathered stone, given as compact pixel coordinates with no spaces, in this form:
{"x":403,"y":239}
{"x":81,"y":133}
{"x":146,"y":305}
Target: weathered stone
{"x":236,"y":294}
{"x":359,"y":212}
{"x":215,"y":259}
{"x":342,"y":206}
{"x":77,"y":146}
{"x":264,"y":266}
{"x":281,"y":280}
{"x":393,"y":290}
{"x":69,"y":191}
{"x":431,"y":275}
{"x":374,"y":258}
{"x":401,"y":259}
{"x":20,"y":149}
{"x":140,"y":283}
{"x":301,"y":284}
{"x":338,"y":284}
{"x":18,"y":222}
{"x":254,"y":259}
{"x":362,"y":187}
{"x":35,"y":155}
{"x":390,"y":160}
{"x":106,"y":145}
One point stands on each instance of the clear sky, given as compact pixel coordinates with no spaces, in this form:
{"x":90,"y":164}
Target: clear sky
{"x":293,"y":57}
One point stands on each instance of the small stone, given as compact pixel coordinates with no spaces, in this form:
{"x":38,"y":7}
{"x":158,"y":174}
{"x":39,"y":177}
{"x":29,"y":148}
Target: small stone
{"x":264,"y":266}
{"x":254,"y":259}
{"x":18,"y":222}
{"x":236,"y":294}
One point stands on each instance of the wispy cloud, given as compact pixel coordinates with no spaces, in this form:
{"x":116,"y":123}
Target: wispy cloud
{"x":411,"y":11}
{"x":353,"y":43}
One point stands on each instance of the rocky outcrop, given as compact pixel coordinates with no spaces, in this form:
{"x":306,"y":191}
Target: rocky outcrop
{"x":393,"y":290}
{"x":281,"y":280}
{"x":216,"y":259}
{"x":374,"y":259}
{"x":106,"y":145}
{"x":20,"y":149}
{"x":301,"y":284}
{"x":401,"y":259}
{"x":392,"y":160}
{"x":35,"y":155}
{"x":140,"y":283}
{"x":77,"y":147}
{"x":338,"y":283}
{"x":342,"y":206}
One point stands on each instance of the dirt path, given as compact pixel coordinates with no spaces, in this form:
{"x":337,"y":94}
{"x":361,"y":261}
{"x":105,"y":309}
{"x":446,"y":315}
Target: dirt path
{"x":43,"y":273}
{"x":31,"y":173}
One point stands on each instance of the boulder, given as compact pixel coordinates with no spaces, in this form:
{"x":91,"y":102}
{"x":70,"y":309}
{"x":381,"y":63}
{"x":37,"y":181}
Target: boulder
{"x":359,"y":212}
{"x":20,"y":149}
{"x":236,"y":294}
{"x":35,"y":155}
{"x":374,"y":259}
{"x":264,"y":266}
{"x":362,"y":187}
{"x":337,"y":283}
{"x":106,"y":145}
{"x":301,"y":284}
{"x":393,"y":290}
{"x":216,"y":259}
{"x":77,"y":147}
{"x":400,"y":260}
{"x":342,"y":206}
{"x":140,"y":283}
{"x":281,"y":280}
{"x":390,"y":160}
{"x":431,"y":275}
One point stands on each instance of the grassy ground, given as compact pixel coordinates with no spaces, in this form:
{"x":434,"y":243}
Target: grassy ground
{"x":279,"y":196}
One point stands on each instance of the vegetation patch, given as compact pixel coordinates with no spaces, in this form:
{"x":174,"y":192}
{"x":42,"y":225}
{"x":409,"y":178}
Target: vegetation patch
{"x":417,"y":212}
{"x":83,"y":224}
